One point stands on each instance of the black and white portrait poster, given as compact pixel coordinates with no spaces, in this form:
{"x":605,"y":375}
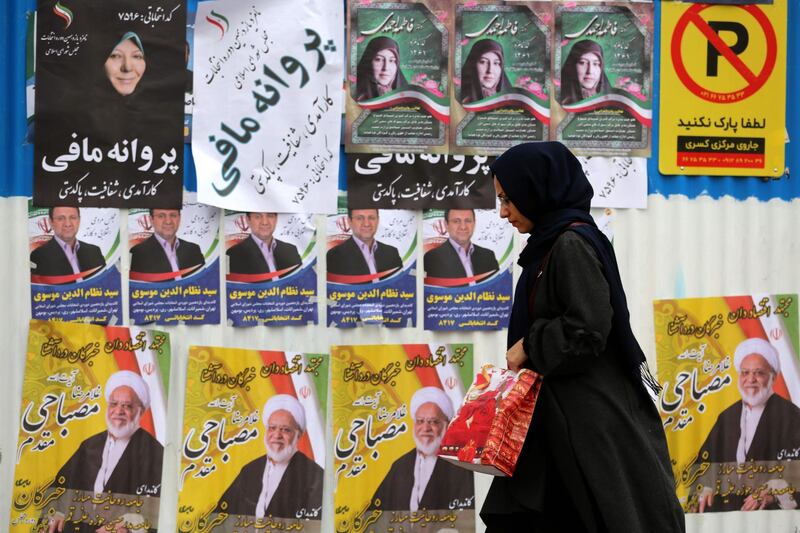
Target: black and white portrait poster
{"x":110,"y":79}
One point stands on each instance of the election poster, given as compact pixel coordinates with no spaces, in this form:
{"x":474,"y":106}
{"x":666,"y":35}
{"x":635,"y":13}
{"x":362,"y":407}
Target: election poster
{"x":391,"y":406}
{"x":467,"y":262}
{"x":419,"y":181}
{"x":501,"y":75}
{"x":92,"y":429}
{"x":603,"y":80}
{"x":109,"y":102}
{"x":267,"y":104}
{"x":723,"y":89}
{"x":617,"y":181}
{"x":731,"y":377}
{"x":271,"y":269}
{"x":174,"y":265}
{"x":397,"y":83}
{"x":75,"y":264}
{"x":253,"y":452}
{"x":371,"y":267}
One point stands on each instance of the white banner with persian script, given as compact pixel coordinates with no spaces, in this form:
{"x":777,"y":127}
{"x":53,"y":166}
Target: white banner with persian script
{"x":617,"y":181}
{"x":267,"y":114}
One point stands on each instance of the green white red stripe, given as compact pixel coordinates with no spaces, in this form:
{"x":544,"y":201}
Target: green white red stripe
{"x":64,"y":12}
{"x":641,"y":113}
{"x":438,"y":107}
{"x":532,"y":105}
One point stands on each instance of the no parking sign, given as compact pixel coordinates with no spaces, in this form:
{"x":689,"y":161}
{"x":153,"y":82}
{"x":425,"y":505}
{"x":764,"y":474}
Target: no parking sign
{"x":723,"y":89}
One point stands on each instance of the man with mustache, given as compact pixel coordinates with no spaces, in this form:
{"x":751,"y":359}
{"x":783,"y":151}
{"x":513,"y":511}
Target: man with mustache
{"x":164,"y":251}
{"x":282,"y":483}
{"x":123,"y":459}
{"x":362,"y":254}
{"x":458,"y":257}
{"x":762,"y":426}
{"x":419,"y":480}
{"x":260,"y":252}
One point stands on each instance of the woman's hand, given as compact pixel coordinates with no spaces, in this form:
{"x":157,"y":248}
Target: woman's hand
{"x":515,"y":356}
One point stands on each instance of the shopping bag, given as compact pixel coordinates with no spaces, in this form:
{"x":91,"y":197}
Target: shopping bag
{"x":488,"y":432}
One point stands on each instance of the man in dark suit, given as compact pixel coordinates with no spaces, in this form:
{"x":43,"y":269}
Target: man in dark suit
{"x":458,"y":257}
{"x":761,"y":427}
{"x":124,"y":459}
{"x":419,"y":480}
{"x":282,"y":483}
{"x":361,"y":254}
{"x":164,"y":251}
{"x":261,"y":252}
{"x":64,"y":254}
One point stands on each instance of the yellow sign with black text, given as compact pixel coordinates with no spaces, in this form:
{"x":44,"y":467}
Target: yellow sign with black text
{"x":723,"y":89}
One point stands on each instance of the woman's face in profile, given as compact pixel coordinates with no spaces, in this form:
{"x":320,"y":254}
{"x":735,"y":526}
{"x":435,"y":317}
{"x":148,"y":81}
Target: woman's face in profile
{"x":490,"y":68}
{"x":384,"y":67}
{"x":589,"y":69}
{"x":125,"y":67}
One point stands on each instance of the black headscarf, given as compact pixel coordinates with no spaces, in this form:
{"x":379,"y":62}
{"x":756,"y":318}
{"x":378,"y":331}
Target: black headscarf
{"x":570,"y":84}
{"x":366,"y":86}
{"x":470,"y":80}
{"x":546,"y":183}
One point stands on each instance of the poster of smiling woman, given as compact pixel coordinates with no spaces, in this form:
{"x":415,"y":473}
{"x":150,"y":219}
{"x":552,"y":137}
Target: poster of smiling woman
{"x":92,"y":429}
{"x":603,"y":77}
{"x":397,"y":79}
{"x":391,"y":406}
{"x":110,"y":79}
{"x":731,"y":400}
{"x":501,"y":75}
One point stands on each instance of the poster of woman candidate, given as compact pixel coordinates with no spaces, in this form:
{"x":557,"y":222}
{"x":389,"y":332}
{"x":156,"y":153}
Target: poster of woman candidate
{"x":501,"y":77}
{"x":271,"y":269}
{"x":397,"y":79}
{"x":92,"y":429}
{"x":391,"y":406}
{"x":603,"y":77}
{"x":75,"y":264}
{"x":253,"y":449}
{"x":731,"y":379}
{"x":174,"y":266}
{"x":467,"y":264}
{"x":110,"y":79}
{"x":371,"y":267}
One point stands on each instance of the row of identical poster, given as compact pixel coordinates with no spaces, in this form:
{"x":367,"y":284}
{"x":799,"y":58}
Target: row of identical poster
{"x":478,"y":76}
{"x":270,"y":266}
{"x":254,"y":444}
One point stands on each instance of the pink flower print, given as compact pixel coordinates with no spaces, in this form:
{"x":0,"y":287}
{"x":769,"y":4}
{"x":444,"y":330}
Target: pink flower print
{"x":433,"y":87}
{"x":441,"y":15}
{"x":464,"y":42}
{"x":351,"y":78}
{"x":360,"y":39}
{"x":622,"y":81}
{"x":471,"y":3}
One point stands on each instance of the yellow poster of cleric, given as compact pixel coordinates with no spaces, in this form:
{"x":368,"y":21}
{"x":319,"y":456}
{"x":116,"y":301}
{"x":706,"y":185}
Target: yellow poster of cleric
{"x":391,"y":406}
{"x":729,"y":405}
{"x":92,"y":429}
{"x":253,"y":448}
{"x":723,"y":89}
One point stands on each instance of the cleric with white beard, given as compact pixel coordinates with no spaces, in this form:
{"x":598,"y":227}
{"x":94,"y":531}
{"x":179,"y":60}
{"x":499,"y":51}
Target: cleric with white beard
{"x":283,"y":483}
{"x":762,"y":426}
{"x":419,"y":480}
{"x":124,"y":459}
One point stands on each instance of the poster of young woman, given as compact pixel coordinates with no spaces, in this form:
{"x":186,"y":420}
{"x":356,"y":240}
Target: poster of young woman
{"x":271,"y":275}
{"x":467,"y":263}
{"x":253,"y":452}
{"x":731,"y":400}
{"x":93,"y":427}
{"x":174,"y":267}
{"x":110,"y":80}
{"x":397,"y":80}
{"x":501,"y":77}
{"x":391,"y":406}
{"x":603,"y":77}
{"x":371,"y":267}
{"x":75,"y":264}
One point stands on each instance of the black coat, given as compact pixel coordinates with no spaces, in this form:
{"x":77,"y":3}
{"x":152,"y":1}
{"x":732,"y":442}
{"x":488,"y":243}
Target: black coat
{"x":448,"y":482}
{"x":299,"y":488}
{"x":347,"y":259}
{"x":444,"y":262}
{"x":777,"y":434}
{"x":246,"y":257}
{"x":50,"y":260}
{"x":149,"y":256}
{"x":595,"y":457}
